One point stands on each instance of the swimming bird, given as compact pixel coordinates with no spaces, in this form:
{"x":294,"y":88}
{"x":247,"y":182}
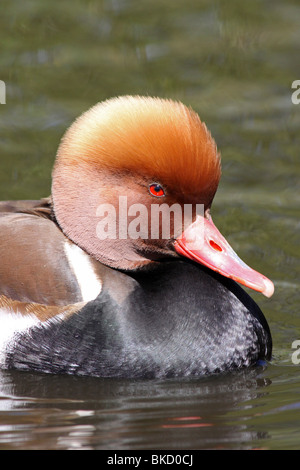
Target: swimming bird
{"x":121,"y":272}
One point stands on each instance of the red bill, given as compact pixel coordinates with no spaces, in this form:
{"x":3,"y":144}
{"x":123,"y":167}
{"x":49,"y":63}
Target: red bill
{"x":202,"y":242}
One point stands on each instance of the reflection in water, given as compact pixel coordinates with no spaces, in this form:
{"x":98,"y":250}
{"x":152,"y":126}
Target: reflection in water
{"x":60,"y":412}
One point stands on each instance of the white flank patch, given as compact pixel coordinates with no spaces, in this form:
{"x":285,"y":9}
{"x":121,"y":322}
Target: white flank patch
{"x":79,"y":261}
{"x":11,"y":324}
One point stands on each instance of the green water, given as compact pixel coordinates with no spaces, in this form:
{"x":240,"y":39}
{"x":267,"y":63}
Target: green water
{"x":234,"y":62}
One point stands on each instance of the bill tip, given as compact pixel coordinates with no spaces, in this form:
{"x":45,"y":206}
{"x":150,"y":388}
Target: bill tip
{"x":268,"y":290}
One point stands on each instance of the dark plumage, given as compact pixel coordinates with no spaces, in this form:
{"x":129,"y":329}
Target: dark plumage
{"x":75,"y":302}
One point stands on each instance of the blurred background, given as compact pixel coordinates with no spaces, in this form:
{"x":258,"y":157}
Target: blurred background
{"x":234,"y":62}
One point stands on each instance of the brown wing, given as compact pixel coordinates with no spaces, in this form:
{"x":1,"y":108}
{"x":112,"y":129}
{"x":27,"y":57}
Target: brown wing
{"x":33,"y":263}
{"x":41,"y":207}
{"x":40,"y":311}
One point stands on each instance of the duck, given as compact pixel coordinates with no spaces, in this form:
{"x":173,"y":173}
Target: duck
{"x":121,"y":271}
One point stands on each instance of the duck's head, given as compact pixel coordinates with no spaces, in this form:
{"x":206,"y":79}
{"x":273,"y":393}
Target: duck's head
{"x":133,"y":184}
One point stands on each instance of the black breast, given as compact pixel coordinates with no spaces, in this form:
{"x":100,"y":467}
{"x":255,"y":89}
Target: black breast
{"x":177,"y":320}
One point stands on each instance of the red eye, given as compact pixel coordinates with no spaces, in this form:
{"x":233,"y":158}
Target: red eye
{"x":156,"y":190}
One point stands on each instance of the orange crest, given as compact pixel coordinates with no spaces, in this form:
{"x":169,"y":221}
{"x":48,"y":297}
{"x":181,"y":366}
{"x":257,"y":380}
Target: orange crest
{"x":157,"y":138}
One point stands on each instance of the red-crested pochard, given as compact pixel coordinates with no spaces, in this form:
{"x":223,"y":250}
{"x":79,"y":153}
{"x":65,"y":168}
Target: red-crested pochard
{"x":90,"y":282}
